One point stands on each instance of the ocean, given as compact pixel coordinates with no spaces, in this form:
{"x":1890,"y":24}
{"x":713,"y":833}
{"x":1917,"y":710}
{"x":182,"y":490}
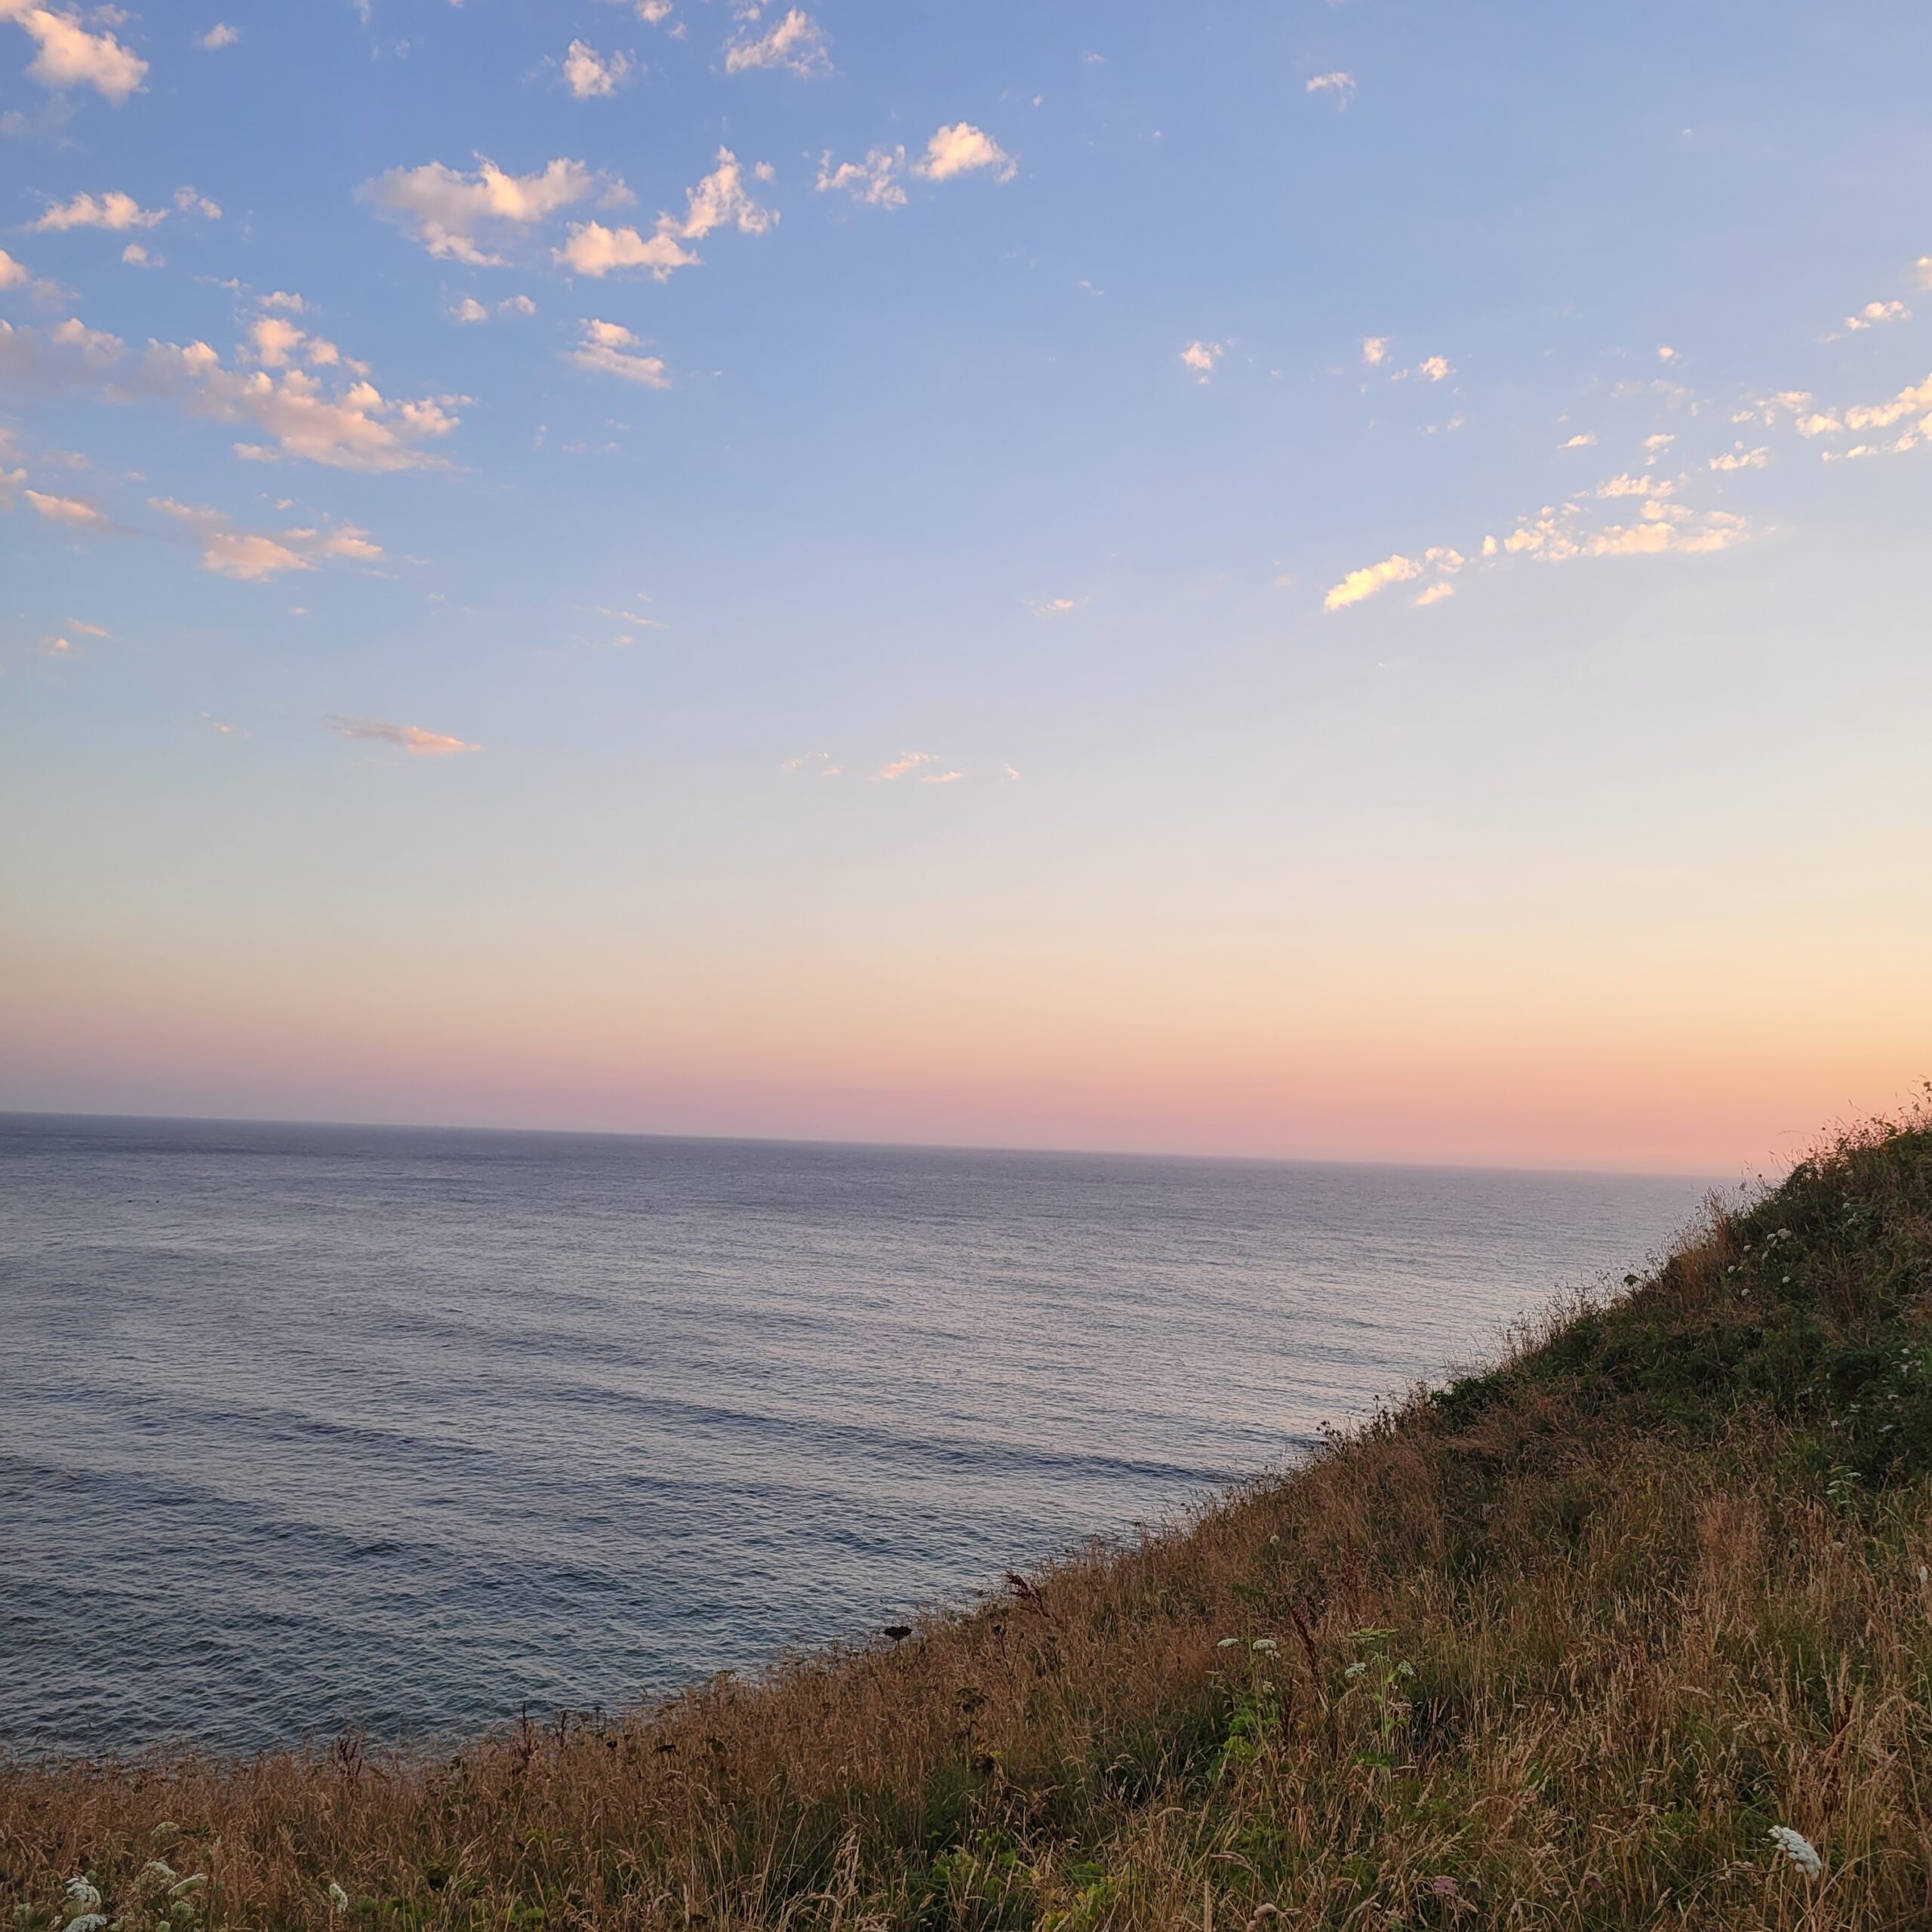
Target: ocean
{"x":306,"y":1427}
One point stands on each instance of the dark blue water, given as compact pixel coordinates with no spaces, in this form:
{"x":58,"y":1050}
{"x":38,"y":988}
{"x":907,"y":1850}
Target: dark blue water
{"x":301,"y":1426}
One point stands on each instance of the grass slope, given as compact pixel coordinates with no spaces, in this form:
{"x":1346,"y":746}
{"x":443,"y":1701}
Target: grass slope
{"x":1557,"y":1646}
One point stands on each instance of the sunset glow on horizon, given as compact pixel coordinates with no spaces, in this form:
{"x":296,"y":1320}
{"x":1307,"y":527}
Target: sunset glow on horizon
{"x":1336,"y":581}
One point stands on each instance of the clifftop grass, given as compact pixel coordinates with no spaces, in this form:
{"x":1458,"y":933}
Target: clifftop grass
{"x":1559,"y":1645}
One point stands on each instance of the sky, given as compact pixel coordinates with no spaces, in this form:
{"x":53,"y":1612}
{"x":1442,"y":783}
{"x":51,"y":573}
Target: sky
{"x":1293,"y":579}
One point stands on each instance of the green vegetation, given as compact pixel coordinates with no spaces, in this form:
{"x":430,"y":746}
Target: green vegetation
{"x":1634,"y":1629}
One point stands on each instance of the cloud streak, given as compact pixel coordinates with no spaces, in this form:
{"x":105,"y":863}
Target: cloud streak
{"x":253,"y":556}
{"x":412,"y":739}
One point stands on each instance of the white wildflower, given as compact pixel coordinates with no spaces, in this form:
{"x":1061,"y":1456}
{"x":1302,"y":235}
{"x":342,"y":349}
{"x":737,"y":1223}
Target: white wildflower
{"x":83,"y":1894}
{"x":156,"y":1867}
{"x":88,"y":1922}
{"x":1356,"y":1669}
{"x":1799,"y":1849}
{"x":1227,"y":1643}
{"x":338,"y":1898}
{"x":1263,"y":1644}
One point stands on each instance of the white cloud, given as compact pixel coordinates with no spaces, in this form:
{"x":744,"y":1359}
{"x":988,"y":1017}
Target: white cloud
{"x":1583,"y":440}
{"x":1341,"y":85}
{"x":189,"y":201}
{"x":1875,"y":313}
{"x":1433,"y":369}
{"x":1435,"y":594}
{"x":470,"y":310}
{"x":137,"y":256}
{"x":453,"y":214}
{"x":592,"y":249}
{"x":1201,"y":357}
{"x":590,"y":75}
{"x":1374,"y":351}
{"x":875,"y":180}
{"x":796,"y":42}
{"x":1056,"y":607}
{"x":1366,"y":582}
{"x":879,"y":179}
{"x":720,"y":200}
{"x":68,"y":356}
{"x":608,"y":348}
{"x":113,"y":210}
{"x":960,"y":149}
{"x":1555,"y":536}
{"x":1741,"y":458}
{"x":1627,"y":486}
{"x":70,"y":56}
{"x":256,"y":556}
{"x":410,"y":738}
{"x":13,"y":274}
{"x":354,"y":427}
{"x":76,"y":511}
{"x":906,"y":761}
{"x":218,"y":36}
{"x":1913,"y":400}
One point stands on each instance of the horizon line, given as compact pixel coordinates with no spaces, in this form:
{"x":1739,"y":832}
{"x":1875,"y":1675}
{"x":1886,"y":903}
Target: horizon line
{"x":1744,"y":1180}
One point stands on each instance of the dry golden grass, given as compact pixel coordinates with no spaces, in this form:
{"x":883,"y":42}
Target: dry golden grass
{"x":1556,"y":1646}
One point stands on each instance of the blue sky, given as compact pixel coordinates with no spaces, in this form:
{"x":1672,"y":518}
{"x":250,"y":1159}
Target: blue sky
{"x":1283,"y":578}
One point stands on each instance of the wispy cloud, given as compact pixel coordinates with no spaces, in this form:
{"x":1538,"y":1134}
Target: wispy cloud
{"x":1360,"y":585}
{"x":1341,"y":85}
{"x":879,"y":179}
{"x":794,"y":42}
{"x":464,"y":217}
{"x":608,"y":348}
{"x":590,"y":75}
{"x":875,"y":180}
{"x":76,"y":512}
{"x":218,"y":36}
{"x":352,"y":425}
{"x":916,"y":765}
{"x":253,"y":556}
{"x":470,"y":310}
{"x":410,"y":738}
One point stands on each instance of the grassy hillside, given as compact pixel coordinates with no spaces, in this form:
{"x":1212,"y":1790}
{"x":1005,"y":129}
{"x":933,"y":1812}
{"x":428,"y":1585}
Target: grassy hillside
{"x":1559,"y":1645}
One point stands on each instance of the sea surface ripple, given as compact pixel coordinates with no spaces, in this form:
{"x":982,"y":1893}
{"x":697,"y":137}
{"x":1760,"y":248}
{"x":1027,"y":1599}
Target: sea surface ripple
{"x":302,"y":1427}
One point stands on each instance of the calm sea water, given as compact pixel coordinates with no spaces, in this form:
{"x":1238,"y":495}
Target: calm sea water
{"x":304,"y":1426}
